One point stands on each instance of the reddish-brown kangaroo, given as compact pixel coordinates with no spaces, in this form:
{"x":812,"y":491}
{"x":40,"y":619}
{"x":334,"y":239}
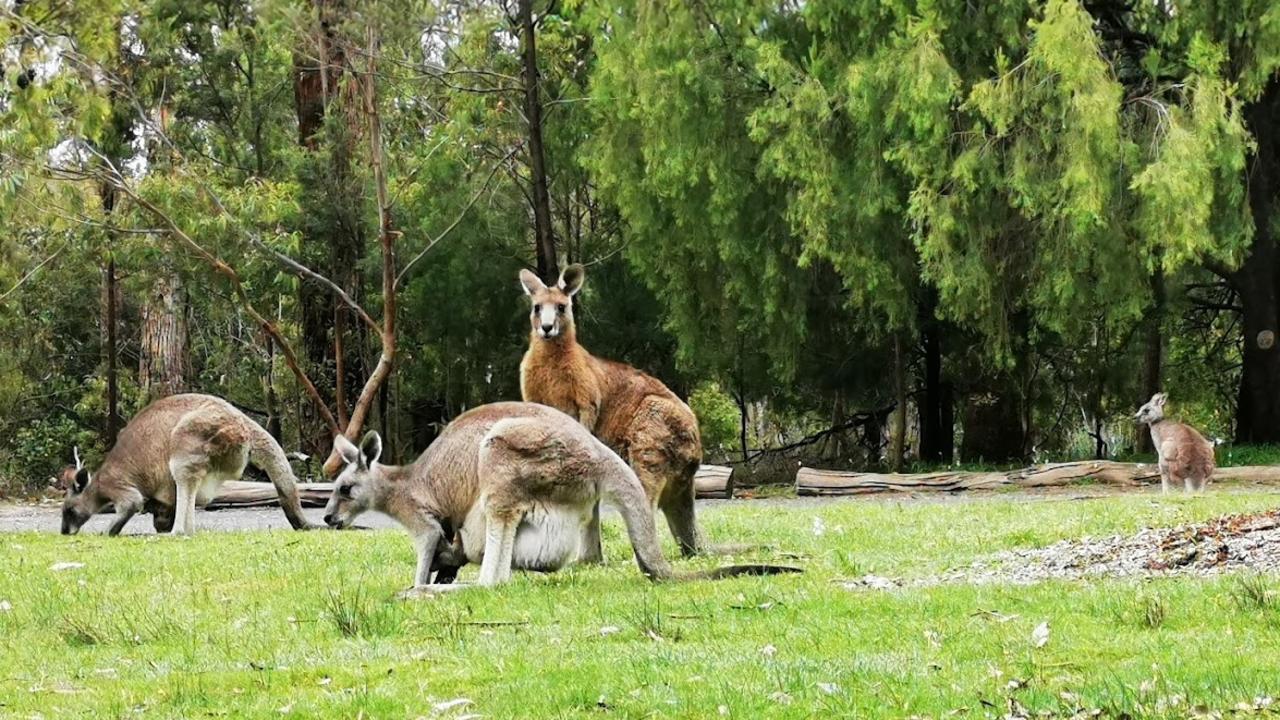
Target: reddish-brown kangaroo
{"x":637,"y":416}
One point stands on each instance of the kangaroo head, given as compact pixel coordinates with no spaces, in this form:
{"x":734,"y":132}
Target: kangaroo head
{"x":552,"y":314}
{"x":358,"y":485}
{"x":82,"y":499}
{"x":1153,"y":411}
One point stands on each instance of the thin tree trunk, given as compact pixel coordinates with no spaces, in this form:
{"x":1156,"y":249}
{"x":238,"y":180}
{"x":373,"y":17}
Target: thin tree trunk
{"x":931,"y":429}
{"x":162,"y":358}
{"x":898,"y":440}
{"x":333,"y":243}
{"x":275,"y":423}
{"x":111,"y":301}
{"x":947,"y":422}
{"x":744,"y":417}
{"x":1153,"y":354}
{"x":1258,"y":410}
{"x":544,"y":234}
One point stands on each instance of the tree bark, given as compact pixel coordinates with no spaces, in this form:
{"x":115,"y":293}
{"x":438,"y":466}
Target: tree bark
{"x":1153,"y":354}
{"x":544,"y":234}
{"x":163,"y":357}
{"x":1258,"y":280}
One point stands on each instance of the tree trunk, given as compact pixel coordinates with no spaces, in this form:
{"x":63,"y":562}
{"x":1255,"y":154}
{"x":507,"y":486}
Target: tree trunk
{"x":1153,"y":354}
{"x":947,"y":423}
{"x":111,"y":303}
{"x":933,"y":433}
{"x":743,"y":418}
{"x":544,"y":235}
{"x":1257,"y":281}
{"x":162,"y":366}
{"x":334,"y":241}
{"x":897,"y":444}
{"x":275,"y":423}
{"x":993,"y":425}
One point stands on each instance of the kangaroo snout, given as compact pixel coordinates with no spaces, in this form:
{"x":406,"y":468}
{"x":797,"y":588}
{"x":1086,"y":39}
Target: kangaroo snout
{"x":331,"y":519}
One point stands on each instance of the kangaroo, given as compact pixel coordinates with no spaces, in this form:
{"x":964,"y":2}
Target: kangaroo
{"x":1186,"y":457}
{"x":173,"y":456}
{"x":517,"y":484}
{"x":633,"y":413}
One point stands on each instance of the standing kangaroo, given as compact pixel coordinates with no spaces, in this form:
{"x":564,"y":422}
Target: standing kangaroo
{"x":1186,"y":458}
{"x":518,"y":481}
{"x":633,"y":413}
{"x":173,"y":456}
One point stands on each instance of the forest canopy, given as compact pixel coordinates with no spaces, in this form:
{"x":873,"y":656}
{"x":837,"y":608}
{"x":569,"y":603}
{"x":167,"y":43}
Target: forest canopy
{"x":863,"y":231}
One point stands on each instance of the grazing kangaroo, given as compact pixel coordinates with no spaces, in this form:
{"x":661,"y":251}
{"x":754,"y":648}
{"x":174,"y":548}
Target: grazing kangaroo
{"x":633,"y":413}
{"x":517,"y":483}
{"x":1186,"y":457}
{"x":173,"y":456}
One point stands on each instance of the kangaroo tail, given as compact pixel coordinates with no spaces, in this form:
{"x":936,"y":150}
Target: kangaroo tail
{"x":729,"y":571}
{"x":267,"y":455}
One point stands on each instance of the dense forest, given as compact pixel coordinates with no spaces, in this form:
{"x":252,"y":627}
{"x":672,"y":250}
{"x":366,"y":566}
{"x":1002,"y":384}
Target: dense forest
{"x":860,"y":232}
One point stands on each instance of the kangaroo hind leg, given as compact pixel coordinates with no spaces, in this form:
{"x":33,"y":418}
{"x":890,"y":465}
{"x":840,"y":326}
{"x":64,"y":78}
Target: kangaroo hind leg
{"x":188,"y":478}
{"x":499,"y":546}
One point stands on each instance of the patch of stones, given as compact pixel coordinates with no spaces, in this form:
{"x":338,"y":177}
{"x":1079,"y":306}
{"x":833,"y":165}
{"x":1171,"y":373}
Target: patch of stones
{"x":1227,"y":544}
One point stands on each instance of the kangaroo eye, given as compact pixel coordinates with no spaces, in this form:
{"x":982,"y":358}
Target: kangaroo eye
{"x":560,"y":308}
{"x":537,"y":309}
{"x":345,"y":491}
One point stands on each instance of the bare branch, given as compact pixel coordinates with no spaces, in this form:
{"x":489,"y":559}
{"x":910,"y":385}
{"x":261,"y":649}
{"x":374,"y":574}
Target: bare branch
{"x":307,"y":273}
{"x":117,"y":180}
{"x":31,"y":273}
{"x":461,"y":215}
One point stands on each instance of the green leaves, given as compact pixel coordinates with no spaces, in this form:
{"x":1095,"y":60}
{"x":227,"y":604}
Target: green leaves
{"x":1191,"y":195}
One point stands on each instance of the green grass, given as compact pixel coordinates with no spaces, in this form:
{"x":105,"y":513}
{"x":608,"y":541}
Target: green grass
{"x":273,"y":625}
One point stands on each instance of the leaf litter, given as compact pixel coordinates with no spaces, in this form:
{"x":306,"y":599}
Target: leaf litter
{"x":1235,"y":542}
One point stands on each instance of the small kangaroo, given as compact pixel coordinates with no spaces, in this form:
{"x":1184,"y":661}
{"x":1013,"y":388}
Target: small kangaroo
{"x":1186,"y":457}
{"x":173,"y":456}
{"x":518,"y":481}
{"x":633,"y":413}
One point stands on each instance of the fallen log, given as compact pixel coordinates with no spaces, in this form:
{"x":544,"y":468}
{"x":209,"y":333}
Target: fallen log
{"x":245,"y":494}
{"x":832,"y":482}
{"x":712,"y":481}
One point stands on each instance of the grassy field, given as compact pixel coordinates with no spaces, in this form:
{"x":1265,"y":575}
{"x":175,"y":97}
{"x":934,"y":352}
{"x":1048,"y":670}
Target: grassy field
{"x":277,"y":624}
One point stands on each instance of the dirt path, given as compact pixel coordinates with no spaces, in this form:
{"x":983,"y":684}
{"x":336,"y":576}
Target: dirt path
{"x":46,"y":518}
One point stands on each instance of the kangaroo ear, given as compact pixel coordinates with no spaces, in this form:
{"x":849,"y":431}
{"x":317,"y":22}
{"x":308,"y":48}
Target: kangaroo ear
{"x":370,"y":448}
{"x":349,"y":453}
{"x":572,"y":278}
{"x":531,"y":283}
{"x":81,"y":481}
{"x":1159,"y":399}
